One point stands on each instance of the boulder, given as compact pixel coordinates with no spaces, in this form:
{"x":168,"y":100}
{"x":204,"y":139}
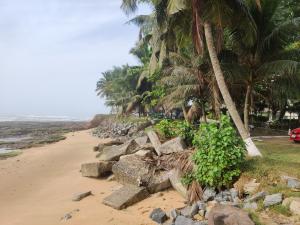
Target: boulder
{"x":80,"y":196}
{"x":159,"y":181}
{"x":114,"y":152}
{"x":293,"y":183}
{"x":256,"y":197}
{"x":175,"y":180}
{"x":287,"y":201}
{"x":141,"y":141}
{"x":209,"y":194}
{"x":228,"y":215}
{"x":273,"y":199}
{"x":250,"y":206}
{"x":131,"y":169}
{"x":96,"y":169}
{"x":190,"y":211}
{"x":251,"y":187}
{"x":223,"y":196}
{"x":295,"y":206}
{"x":126,"y":196}
{"x":158,"y":216}
{"x":154,"y":141}
{"x":143,"y":153}
{"x":182,"y":220}
{"x":172,"y":146}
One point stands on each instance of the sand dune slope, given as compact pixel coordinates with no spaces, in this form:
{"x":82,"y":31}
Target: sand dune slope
{"x":36,"y":188}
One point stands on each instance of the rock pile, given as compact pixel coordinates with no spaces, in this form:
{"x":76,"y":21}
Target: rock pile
{"x":133,"y":163}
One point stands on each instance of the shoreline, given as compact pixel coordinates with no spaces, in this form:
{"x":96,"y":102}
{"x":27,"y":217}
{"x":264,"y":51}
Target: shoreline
{"x":37,"y":187}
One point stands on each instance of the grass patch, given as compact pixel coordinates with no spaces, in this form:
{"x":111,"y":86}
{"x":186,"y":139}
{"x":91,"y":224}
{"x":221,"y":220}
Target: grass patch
{"x":9,"y":154}
{"x":280,"y":209}
{"x":280,"y":156}
{"x":255,"y":218}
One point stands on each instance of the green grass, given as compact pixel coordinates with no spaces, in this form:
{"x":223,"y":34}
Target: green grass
{"x":280,"y":156}
{"x":9,"y":154}
{"x":255,"y":218}
{"x":280,"y":209}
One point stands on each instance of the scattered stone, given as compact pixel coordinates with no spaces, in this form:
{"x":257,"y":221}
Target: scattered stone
{"x":228,"y":215}
{"x":96,"y":169}
{"x":95,"y":148}
{"x":172,"y":146}
{"x":293,"y":183}
{"x":141,"y":141}
{"x":66,"y":217}
{"x":201,"y":212}
{"x":114,"y":152}
{"x":173,"y":214}
{"x":158,"y":215}
{"x":131,"y":170}
{"x":80,"y":196}
{"x":175,"y":180}
{"x":287,"y":201}
{"x":256,"y":197}
{"x":234,"y":193}
{"x":208,"y":194}
{"x":155,"y":141}
{"x":111,"y":178}
{"x":114,"y":142}
{"x":186,"y":211}
{"x":273,"y":199}
{"x":295,"y":207}
{"x":250,"y":206}
{"x":201,"y":205}
{"x":223,"y":196}
{"x":251,"y":187}
{"x":194,"y":210}
{"x":181,"y":220}
{"x":126,"y":196}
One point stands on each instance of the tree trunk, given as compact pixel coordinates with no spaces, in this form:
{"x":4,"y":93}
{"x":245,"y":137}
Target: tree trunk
{"x":251,"y":148}
{"x":203,"y":112}
{"x":247,"y":106}
{"x":216,"y":105}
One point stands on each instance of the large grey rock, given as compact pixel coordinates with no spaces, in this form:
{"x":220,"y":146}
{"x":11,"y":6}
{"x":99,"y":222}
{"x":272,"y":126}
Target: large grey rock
{"x":154,"y":141}
{"x":126,"y":196}
{"x":158,"y":216}
{"x":96,"y":169}
{"x":251,"y":206}
{"x":159,"y":181}
{"x":223,"y":196}
{"x":182,"y":220}
{"x":273,"y":199}
{"x":80,"y":196}
{"x":228,"y":215}
{"x":141,"y":141}
{"x":172,"y":146}
{"x":176,"y":183}
{"x":209,"y":194}
{"x":114,"y":152}
{"x":295,"y":206}
{"x":256,"y":197}
{"x":293,"y":183}
{"x":132,"y":169}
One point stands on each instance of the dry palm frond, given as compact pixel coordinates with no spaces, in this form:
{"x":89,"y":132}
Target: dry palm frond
{"x":194,"y":192}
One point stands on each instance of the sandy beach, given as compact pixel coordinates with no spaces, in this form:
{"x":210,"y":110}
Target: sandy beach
{"x":37,"y":186}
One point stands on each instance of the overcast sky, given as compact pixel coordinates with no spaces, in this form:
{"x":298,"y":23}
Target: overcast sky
{"x":52,"y":53}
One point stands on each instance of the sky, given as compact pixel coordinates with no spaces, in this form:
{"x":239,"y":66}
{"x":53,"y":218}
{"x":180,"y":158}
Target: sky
{"x":52,"y":52}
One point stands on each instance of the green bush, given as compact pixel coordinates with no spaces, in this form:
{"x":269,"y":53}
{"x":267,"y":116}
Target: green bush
{"x":170,"y":129}
{"x":219,"y":153}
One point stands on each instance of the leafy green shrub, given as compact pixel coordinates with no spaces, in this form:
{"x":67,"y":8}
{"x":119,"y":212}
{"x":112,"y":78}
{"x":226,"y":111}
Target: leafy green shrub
{"x":170,"y":129}
{"x":219,"y":153}
{"x":166,"y":128}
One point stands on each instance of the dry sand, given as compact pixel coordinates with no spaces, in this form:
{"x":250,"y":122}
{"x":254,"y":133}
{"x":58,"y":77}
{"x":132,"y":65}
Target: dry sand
{"x":36,"y":188}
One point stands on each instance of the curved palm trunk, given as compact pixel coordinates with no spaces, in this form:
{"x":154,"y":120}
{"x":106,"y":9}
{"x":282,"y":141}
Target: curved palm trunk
{"x":247,"y":106}
{"x":216,"y":96}
{"x":251,"y":148}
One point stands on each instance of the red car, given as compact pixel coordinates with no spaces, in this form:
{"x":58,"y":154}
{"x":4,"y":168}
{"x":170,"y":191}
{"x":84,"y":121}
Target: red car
{"x":295,"y":135}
